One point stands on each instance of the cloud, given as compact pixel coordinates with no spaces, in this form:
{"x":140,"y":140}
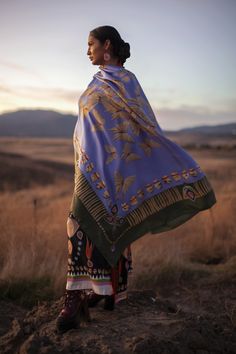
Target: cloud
{"x":20,"y":68}
{"x":40,"y":93}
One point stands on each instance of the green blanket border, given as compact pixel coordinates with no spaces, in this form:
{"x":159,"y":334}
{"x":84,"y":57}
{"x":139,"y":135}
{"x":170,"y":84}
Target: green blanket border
{"x":161,"y":212}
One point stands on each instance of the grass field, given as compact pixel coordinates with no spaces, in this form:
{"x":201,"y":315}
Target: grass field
{"x":34,"y":202}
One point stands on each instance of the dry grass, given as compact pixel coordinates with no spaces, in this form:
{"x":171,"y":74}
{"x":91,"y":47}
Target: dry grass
{"x":33,"y":242}
{"x":33,"y":237}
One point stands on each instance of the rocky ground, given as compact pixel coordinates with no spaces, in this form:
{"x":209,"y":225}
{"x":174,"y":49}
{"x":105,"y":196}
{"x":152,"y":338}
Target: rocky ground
{"x":194,"y":319}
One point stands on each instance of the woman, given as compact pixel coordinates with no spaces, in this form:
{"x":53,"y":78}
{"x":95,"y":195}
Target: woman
{"x":130,"y":179}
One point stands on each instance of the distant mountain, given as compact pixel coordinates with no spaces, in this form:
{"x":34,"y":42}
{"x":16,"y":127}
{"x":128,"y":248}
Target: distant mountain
{"x":37,"y":123}
{"x":45,"y":123}
{"x":220,"y":129}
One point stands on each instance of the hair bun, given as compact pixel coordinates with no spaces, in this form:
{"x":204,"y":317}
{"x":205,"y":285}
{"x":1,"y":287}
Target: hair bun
{"x":124,"y":51}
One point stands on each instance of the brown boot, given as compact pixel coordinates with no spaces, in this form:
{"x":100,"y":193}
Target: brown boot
{"x":109,"y":303}
{"x":94,"y":299}
{"x":75,"y":308}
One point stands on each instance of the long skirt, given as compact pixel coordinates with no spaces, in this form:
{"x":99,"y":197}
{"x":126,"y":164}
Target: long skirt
{"x":88,"y":269}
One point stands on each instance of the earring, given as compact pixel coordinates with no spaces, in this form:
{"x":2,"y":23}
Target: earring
{"x":106,"y":56}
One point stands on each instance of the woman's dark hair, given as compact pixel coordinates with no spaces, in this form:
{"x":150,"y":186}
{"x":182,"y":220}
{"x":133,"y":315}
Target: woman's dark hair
{"x":120,"y":48}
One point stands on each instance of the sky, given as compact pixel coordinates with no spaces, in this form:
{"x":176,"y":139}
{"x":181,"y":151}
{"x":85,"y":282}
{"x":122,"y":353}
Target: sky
{"x":183,"y":54}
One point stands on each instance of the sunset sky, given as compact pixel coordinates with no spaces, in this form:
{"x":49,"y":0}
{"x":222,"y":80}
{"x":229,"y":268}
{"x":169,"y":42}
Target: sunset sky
{"x":182,"y":52}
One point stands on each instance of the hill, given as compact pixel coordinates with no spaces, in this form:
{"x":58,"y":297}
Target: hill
{"x":48,"y":123}
{"x":37,"y":123}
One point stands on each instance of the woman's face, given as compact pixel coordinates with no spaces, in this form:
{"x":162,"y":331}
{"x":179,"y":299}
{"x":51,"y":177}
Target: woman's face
{"x":96,"y":50}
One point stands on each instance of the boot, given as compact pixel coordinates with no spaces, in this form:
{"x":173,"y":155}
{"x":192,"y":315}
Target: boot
{"x":75,"y":308}
{"x":109,"y":303}
{"x":94,"y":299}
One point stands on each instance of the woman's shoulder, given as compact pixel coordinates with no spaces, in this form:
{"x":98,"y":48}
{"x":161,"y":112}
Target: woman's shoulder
{"x":129,"y":72}
{"x":131,"y":75}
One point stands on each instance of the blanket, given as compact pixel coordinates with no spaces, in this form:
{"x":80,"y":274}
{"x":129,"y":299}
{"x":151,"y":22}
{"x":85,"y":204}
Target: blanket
{"x":130,"y":179}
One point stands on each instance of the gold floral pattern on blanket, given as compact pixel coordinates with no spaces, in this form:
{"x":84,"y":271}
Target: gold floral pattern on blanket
{"x":128,"y":109}
{"x":147,"y":145}
{"x":124,"y":183}
{"x":88,"y":100}
{"x":120,"y":132}
{"x":112,"y":153}
{"x":127,"y":153}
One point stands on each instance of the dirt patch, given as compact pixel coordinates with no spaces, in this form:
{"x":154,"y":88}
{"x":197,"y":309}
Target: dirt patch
{"x":197,"y":319}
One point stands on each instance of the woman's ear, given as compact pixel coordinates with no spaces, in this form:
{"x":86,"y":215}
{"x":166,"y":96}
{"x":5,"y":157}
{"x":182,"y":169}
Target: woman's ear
{"x":107,"y":44}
